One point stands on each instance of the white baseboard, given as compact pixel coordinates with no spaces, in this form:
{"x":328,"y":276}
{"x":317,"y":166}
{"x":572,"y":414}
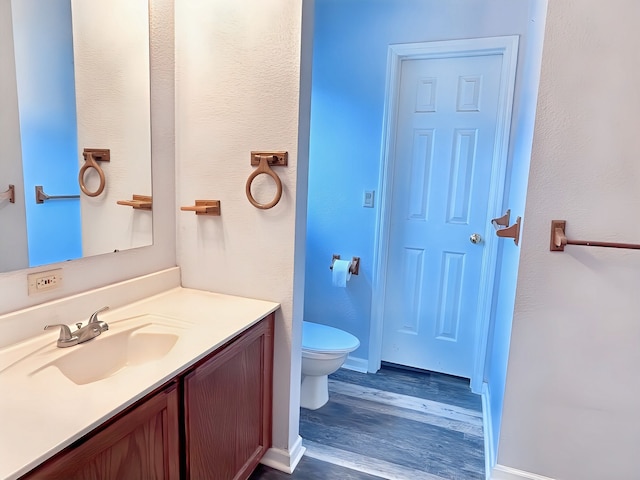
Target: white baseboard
{"x":487,"y":423}
{"x":356,"y":364}
{"x":500,"y":472}
{"x":284,"y":460}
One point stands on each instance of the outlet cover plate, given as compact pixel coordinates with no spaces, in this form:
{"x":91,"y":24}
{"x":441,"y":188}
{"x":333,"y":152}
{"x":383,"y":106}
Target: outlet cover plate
{"x":46,"y":281}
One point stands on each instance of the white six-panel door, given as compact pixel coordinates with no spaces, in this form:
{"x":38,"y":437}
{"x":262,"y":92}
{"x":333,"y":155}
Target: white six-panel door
{"x":445,"y":135}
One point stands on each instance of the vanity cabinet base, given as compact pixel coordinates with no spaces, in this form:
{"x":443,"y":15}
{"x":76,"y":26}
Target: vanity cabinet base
{"x":143,"y":443}
{"x":211,"y":422}
{"x":228,"y":409}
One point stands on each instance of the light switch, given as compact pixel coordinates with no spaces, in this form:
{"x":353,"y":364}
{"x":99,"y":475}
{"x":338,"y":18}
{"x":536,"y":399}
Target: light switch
{"x":367,"y":198}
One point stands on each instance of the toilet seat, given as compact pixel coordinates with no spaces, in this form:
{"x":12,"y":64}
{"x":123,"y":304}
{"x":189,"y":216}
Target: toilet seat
{"x":317,"y":338}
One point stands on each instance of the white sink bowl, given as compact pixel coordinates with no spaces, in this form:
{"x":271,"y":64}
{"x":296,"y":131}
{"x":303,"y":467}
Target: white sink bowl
{"x":128,"y":343}
{"x":95,"y":360}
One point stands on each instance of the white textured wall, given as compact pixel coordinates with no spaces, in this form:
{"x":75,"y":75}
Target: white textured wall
{"x":111,"y":51}
{"x":238,"y":74}
{"x":88,"y":273}
{"x":571,"y":403}
{"x":13,"y":241}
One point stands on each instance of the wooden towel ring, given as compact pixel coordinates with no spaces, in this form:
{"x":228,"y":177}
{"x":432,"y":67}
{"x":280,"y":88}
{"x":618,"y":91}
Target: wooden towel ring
{"x":90,"y":162}
{"x":263,"y":167}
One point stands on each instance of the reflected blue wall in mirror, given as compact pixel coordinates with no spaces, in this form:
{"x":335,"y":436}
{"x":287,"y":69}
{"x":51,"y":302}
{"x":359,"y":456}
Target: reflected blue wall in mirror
{"x":47,"y":108}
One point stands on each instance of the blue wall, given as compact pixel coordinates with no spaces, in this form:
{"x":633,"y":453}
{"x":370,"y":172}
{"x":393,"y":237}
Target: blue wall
{"x":46,"y":101}
{"x":506,"y":278}
{"x":349,"y":73}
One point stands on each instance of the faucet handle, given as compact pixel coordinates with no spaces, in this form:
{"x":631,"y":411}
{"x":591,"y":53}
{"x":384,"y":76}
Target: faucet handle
{"x":66,"y":339}
{"x":65,"y":331}
{"x":94,"y":315}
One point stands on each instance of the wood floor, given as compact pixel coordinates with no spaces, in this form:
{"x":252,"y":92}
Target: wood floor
{"x":395,"y":424}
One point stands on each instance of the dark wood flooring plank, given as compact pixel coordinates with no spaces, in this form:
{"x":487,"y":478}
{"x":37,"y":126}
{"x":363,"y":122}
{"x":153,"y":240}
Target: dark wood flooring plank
{"x":465,"y":427}
{"x":392,"y":439}
{"x":428,"y":385}
{"x":414,"y":440}
{"x":406,"y":402}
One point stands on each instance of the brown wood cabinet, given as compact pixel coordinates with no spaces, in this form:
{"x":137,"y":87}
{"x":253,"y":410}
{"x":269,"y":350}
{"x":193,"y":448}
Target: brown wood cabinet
{"x":143,"y":443}
{"x":228,"y":409}
{"x":211,"y":422}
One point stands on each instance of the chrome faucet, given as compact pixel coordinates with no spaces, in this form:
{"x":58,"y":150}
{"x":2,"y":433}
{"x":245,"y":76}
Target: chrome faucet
{"x":92,"y":329}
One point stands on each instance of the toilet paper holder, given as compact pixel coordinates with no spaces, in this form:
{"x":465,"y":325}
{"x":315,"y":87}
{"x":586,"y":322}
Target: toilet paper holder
{"x":354,"y":268}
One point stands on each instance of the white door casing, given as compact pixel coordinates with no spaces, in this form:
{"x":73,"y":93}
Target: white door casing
{"x":451,"y":259}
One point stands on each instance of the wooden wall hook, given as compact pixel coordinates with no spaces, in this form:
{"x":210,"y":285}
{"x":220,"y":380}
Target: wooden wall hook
{"x":511,"y":232}
{"x":204,"y":207}
{"x":502,"y":221}
{"x":139,"y":202}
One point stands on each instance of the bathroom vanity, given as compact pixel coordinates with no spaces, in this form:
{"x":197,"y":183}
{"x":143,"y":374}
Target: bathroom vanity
{"x":195,"y":404}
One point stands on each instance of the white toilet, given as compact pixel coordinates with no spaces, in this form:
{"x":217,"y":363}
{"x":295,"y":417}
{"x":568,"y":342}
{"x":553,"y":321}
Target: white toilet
{"x":324,"y":350}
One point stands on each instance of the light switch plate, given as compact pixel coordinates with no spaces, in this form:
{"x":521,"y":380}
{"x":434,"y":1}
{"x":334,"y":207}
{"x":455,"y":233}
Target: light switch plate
{"x":368,"y":198}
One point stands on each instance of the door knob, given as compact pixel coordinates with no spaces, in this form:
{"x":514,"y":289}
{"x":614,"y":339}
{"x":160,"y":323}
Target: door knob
{"x":475,"y":238}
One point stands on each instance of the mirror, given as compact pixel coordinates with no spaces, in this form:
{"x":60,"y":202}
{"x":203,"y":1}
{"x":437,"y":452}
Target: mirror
{"x":75,"y":77}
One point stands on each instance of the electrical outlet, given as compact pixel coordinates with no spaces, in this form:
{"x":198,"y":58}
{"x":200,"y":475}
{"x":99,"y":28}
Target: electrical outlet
{"x":44,"y":281}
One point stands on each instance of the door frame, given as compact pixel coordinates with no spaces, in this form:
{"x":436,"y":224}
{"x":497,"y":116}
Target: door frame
{"x":507,"y":46}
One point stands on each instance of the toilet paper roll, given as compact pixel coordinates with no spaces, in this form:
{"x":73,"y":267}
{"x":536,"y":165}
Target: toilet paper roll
{"x":341,"y":273}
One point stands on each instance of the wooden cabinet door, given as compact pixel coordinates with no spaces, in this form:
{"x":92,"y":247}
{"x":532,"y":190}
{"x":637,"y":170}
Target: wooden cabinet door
{"x":228,"y":408}
{"x":141,"y":444}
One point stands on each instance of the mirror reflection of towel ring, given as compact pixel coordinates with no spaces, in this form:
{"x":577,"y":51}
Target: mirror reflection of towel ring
{"x":263,"y":167}
{"x":90,"y":162}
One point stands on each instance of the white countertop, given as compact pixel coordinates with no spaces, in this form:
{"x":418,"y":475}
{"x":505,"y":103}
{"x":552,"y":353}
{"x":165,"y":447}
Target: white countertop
{"x":42,"y":411}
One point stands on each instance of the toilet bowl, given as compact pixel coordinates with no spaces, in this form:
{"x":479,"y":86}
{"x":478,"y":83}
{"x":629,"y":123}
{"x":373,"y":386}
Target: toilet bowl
{"x":324,"y":350}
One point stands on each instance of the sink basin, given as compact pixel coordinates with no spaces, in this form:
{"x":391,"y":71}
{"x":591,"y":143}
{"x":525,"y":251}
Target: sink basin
{"x":112,"y":352}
